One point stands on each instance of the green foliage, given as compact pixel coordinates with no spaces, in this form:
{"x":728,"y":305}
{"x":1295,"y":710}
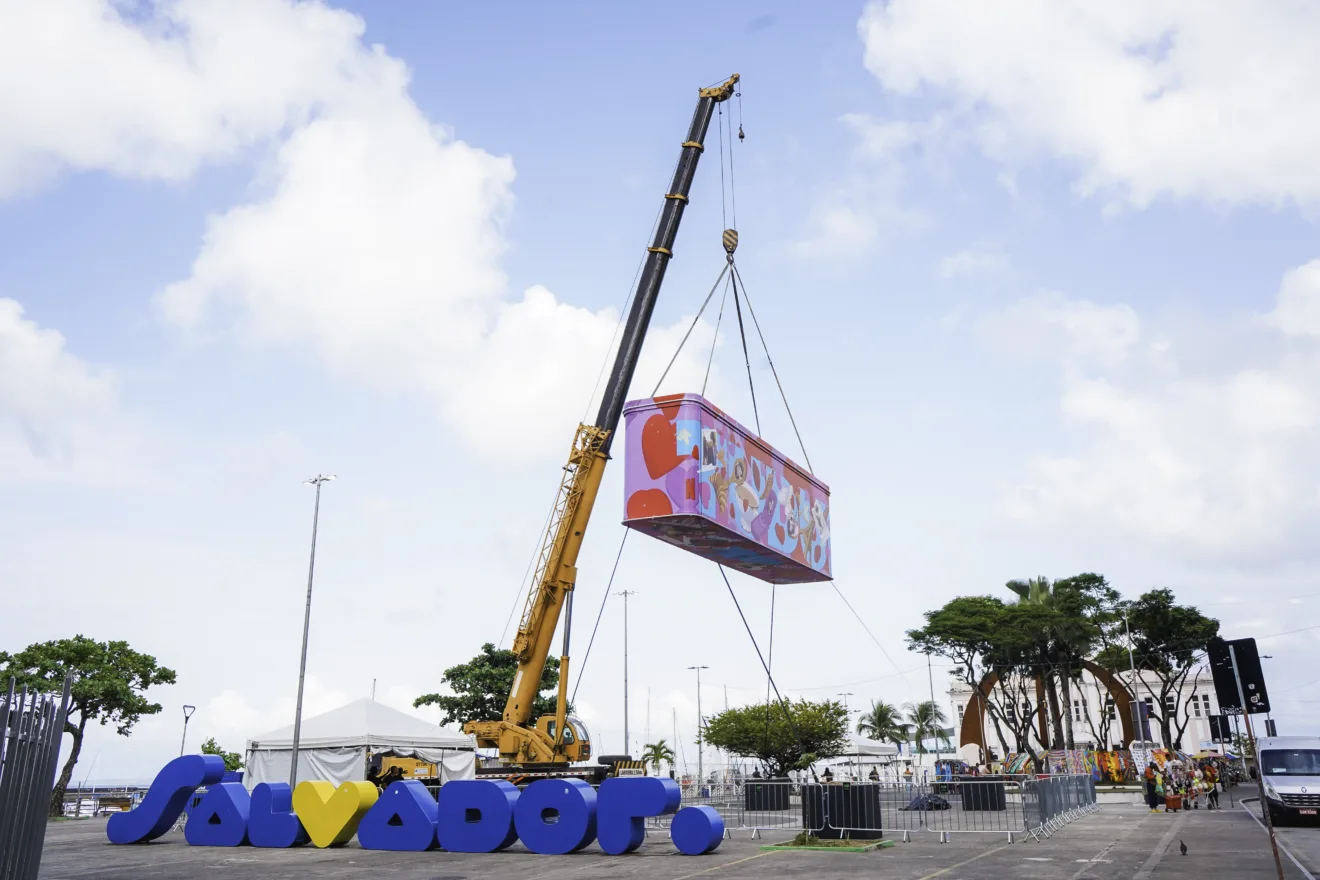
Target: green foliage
{"x":233,"y":760}
{"x":1168,"y":642}
{"x":766,"y":732}
{"x":926,"y":720}
{"x":481,"y":687}
{"x":657,"y":753}
{"x":883,"y":722}
{"x":109,"y":682}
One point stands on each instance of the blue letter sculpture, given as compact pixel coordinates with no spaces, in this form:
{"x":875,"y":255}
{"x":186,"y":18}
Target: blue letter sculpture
{"x":476,"y":815}
{"x":221,"y":819}
{"x":403,"y":820}
{"x":624,"y":804}
{"x":697,"y":830}
{"x":556,"y":816}
{"x":271,"y":822}
{"x":166,"y":798}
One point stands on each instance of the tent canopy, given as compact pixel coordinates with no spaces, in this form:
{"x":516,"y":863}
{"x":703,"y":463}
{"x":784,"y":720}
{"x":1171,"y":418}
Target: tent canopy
{"x":335,"y":746}
{"x":870,"y":748}
{"x":367,"y":724}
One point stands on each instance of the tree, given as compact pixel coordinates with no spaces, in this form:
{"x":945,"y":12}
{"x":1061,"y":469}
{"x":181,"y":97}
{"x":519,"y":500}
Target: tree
{"x":657,"y":753}
{"x":883,"y":722}
{"x":767,"y":733}
{"x":233,"y":760}
{"x":983,"y":637}
{"x":927,"y":721}
{"x":1168,"y":642}
{"x":481,"y":687}
{"x":109,"y":681}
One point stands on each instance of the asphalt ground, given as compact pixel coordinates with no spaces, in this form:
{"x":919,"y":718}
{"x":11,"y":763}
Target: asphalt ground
{"x":1118,"y":842}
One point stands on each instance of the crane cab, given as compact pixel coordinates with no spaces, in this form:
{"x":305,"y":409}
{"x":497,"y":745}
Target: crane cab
{"x":577,"y":739}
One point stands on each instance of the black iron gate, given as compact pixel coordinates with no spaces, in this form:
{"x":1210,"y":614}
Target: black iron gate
{"x":31,"y":726}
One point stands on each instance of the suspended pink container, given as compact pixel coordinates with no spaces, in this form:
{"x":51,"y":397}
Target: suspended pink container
{"x":697,"y":479}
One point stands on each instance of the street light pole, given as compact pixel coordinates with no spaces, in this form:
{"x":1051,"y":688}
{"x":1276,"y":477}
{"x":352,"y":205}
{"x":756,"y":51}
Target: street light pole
{"x":930,"y":675}
{"x":316,"y":481}
{"x":627,"y":742}
{"x":700,"y":739}
{"x":1132,"y":664}
{"x":187,"y":713}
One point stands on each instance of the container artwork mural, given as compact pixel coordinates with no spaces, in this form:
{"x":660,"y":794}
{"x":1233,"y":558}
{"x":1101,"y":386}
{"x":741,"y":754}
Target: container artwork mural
{"x":697,"y":479}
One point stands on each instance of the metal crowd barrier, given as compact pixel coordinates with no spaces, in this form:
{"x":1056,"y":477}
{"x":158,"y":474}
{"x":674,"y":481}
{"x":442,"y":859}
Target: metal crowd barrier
{"x":1009,"y":806}
{"x":31,"y":726}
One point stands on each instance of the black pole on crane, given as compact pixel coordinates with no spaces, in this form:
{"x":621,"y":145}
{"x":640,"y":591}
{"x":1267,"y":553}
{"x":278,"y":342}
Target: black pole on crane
{"x":660,"y":253}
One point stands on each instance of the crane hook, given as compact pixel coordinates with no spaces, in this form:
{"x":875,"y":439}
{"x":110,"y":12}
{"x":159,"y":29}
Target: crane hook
{"x":740,"y":133}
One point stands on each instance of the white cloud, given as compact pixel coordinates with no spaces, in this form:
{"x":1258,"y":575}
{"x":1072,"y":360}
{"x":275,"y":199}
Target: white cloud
{"x":376,"y":249}
{"x":848,"y":217}
{"x":1215,"y":464}
{"x":1149,"y":99}
{"x":59,"y":416}
{"x":1297,"y":312}
{"x":972,"y":263}
{"x":186,"y":82}
{"x":1075,"y":332}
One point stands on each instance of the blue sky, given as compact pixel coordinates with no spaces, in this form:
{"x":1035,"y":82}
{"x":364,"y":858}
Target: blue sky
{"x":1038,"y":285}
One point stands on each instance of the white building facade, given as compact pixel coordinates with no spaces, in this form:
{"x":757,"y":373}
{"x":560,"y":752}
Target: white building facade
{"x":1095,"y":714}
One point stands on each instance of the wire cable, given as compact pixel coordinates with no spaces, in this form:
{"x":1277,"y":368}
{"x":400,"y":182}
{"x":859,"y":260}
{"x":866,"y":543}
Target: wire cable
{"x":738,"y":275}
{"x":868,"y":631}
{"x":746,"y":358}
{"x":691,"y":327}
{"x":787,"y":713}
{"x":599,"y":614}
{"x":714,"y":340}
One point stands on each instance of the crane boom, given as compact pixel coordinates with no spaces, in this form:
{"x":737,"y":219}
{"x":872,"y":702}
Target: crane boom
{"x":556,"y":568}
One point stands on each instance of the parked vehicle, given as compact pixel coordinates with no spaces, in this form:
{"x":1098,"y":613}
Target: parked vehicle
{"x":1290,"y":769}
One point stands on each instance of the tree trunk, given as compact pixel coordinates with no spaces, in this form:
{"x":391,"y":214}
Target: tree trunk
{"x":1056,"y":723}
{"x":1068,"y":708}
{"x":57,"y":796}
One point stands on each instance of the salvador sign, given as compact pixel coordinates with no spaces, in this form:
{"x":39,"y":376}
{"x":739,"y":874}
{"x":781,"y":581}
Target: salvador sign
{"x":553,"y":816}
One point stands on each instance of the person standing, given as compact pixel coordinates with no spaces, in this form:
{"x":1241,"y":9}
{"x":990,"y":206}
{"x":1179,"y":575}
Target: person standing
{"x":1152,"y":798}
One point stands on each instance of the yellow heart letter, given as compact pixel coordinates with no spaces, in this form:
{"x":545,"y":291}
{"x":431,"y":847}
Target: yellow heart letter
{"x":331,"y":815}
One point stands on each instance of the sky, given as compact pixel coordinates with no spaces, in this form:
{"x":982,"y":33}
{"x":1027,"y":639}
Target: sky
{"x":1041,"y":282}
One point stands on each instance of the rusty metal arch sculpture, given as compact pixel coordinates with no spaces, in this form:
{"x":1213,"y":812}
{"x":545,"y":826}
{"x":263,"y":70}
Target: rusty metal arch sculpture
{"x":972,"y":732}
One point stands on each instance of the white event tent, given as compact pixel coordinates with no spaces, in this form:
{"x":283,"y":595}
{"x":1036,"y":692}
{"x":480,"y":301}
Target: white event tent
{"x":337,"y":745}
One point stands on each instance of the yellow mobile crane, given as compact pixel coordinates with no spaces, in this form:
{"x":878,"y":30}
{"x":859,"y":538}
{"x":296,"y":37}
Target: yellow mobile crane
{"x":555,"y":741}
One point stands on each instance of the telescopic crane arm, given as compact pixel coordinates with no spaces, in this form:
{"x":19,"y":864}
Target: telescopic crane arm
{"x":556,"y":568}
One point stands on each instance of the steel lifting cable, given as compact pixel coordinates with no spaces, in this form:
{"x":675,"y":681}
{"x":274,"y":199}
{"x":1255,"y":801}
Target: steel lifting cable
{"x":691,"y":327}
{"x":746,"y":357}
{"x":603,"y":599}
{"x":793,"y":421}
{"x":788,"y":714}
{"x":714,"y":340}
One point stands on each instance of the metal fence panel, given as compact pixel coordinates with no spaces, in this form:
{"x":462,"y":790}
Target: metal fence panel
{"x":31,"y":727}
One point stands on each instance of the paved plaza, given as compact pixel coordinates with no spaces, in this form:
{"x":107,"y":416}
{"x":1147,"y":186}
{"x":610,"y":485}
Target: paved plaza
{"x":1125,"y":842}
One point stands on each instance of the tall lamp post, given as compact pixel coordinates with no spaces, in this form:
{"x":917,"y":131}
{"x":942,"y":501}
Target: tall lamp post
{"x":187,"y":713}
{"x":317,"y":481}
{"x":700,"y":739}
{"x":627,"y":743}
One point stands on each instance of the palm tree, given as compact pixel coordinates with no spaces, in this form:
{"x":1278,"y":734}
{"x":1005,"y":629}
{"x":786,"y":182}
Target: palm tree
{"x":883,"y":722}
{"x":655,"y":753}
{"x":927,"y":721}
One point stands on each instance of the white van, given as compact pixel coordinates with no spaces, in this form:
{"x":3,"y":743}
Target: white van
{"x":1290,"y":768}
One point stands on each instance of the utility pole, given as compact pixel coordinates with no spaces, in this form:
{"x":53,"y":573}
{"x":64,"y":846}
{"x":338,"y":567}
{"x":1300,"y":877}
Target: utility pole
{"x":317,"y":481}
{"x":700,"y":739}
{"x":648,"y":716}
{"x":930,"y":675}
{"x":627,"y":743}
{"x":845,"y":703}
{"x":1260,"y":775}
{"x":1132,"y":664}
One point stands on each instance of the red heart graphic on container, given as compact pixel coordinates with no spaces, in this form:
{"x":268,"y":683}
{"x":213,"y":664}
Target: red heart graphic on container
{"x":659,"y":445}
